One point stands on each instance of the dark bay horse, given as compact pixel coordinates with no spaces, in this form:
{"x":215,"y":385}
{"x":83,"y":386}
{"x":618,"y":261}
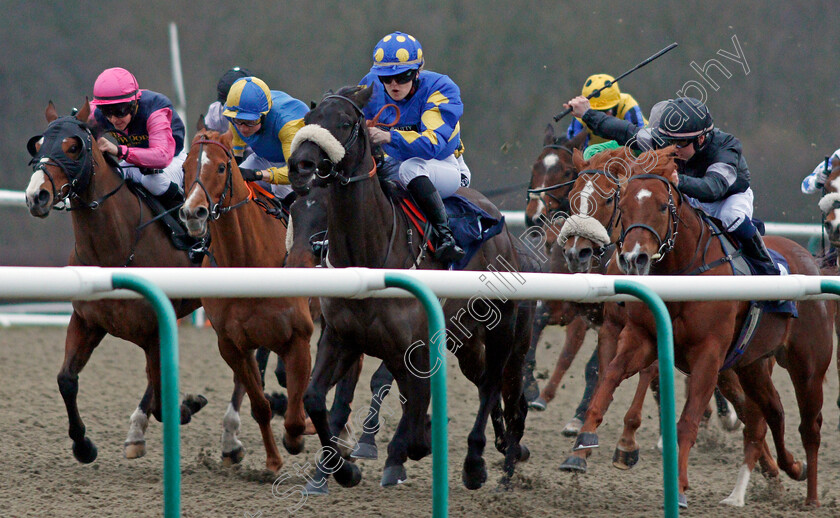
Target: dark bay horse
{"x":219,"y":201}
{"x":71,"y":173}
{"x":662,"y":234}
{"x":490,"y":338}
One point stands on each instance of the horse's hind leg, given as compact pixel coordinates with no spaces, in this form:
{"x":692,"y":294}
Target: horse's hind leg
{"x":516,"y":406}
{"x":79,"y":344}
{"x":380,"y":385}
{"x":297,"y":361}
{"x":627,"y":450}
{"x":757,"y":383}
{"x":232,"y":449}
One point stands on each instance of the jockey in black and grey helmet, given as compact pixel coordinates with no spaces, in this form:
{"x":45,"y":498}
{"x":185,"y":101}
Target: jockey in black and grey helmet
{"x":711,"y":169}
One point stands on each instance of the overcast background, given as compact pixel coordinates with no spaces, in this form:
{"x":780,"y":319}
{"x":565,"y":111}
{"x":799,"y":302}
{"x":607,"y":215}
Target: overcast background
{"x":515,"y":61}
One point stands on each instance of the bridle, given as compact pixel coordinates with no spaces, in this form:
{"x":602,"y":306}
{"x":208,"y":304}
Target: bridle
{"x":615,"y":217}
{"x":330,"y":170}
{"x":78,"y":172}
{"x":541,"y":193}
{"x":667,"y":244}
{"x":216,"y":208}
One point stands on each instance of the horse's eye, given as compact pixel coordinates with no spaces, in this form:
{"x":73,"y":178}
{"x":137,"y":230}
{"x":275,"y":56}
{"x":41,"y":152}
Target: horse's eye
{"x":74,"y":148}
{"x":344,"y":125}
{"x":221,"y":168}
{"x":609,"y":201}
{"x":663,"y":207}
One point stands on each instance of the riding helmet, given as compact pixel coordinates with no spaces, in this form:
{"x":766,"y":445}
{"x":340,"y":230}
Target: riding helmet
{"x":684,"y":118}
{"x":397,"y":53}
{"x":607,"y":97}
{"x":249,"y":99}
{"x":115,"y":85}
{"x":227,"y":80}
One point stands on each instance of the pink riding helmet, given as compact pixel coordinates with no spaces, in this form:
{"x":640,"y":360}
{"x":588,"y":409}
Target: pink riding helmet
{"x":115,"y":85}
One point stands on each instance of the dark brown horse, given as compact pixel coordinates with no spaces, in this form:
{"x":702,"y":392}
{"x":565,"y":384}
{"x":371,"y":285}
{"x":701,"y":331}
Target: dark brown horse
{"x":663,"y":235}
{"x":219,"y":201}
{"x":108,"y":226}
{"x":366,"y":230}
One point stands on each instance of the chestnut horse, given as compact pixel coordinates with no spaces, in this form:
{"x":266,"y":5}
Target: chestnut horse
{"x":219,"y":201}
{"x":366,"y":230}
{"x":662,"y":234}
{"x":110,"y":228}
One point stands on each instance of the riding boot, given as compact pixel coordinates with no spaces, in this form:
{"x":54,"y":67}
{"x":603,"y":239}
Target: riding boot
{"x":172,"y":198}
{"x":754,"y":249}
{"x":428,"y":199}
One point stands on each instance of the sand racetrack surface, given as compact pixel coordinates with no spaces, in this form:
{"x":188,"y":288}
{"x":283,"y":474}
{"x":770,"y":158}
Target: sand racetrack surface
{"x":40,"y":477}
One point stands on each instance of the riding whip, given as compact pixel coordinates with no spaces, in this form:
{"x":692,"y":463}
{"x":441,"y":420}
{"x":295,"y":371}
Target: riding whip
{"x":597,"y":92}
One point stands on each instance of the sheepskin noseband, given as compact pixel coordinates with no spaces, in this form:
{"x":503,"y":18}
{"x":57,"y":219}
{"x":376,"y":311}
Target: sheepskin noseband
{"x":322,"y":138}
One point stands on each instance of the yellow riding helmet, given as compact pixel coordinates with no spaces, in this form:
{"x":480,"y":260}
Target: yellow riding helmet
{"x":607,"y":98}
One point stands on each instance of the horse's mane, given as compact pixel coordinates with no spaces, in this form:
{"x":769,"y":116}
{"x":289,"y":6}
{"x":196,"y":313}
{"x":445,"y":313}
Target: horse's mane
{"x":621,"y":161}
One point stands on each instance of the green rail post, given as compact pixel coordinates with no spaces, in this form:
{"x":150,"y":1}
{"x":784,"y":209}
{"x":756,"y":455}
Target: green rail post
{"x":168,"y":329}
{"x":668,"y":423}
{"x":437,"y":359}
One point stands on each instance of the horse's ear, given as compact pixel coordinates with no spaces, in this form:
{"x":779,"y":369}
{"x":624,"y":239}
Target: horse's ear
{"x":199,"y":125}
{"x":549,"y":135}
{"x":577,"y":159}
{"x":579,"y":140}
{"x":51,"y":114}
{"x":362,"y":95}
{"x":84,"y":114}
{"x":312,"y":105}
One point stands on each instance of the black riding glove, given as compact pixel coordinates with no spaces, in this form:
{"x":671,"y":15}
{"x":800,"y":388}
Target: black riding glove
{"x":250,"y":175}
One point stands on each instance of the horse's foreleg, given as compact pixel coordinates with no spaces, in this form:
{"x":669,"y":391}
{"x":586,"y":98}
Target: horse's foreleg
{"x":342,"y":401}
{"x":575,"y":334}
{"x":516,"y":406}
{"x":635,"y":352}
{"x":297,"y":361}
{"x":79,"y":344}
{"x":333,"y":359}
{"x":627,"y":450}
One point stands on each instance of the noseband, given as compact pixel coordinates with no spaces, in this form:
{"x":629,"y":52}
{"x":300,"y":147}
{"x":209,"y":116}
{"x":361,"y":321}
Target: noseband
{"x":216,"y":208}
{"x":667,"y":244}
{"x":331,"y":172}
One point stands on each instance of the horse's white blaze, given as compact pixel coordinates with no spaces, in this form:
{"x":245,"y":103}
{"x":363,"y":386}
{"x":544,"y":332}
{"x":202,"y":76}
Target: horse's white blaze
{"x":736,"y":499}
{"x":642,"y":194}
{"x":138,"y":422}
{"x":550,"y":160}
{"x":230,"y":430}
{"x":585,"y":194}
{"x":195,"y":197}
{"x":35,"y":183}
{"x":205,"y":160}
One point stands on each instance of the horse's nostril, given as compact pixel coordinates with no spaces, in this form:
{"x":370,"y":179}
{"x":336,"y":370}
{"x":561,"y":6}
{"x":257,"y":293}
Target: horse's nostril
{"x":585,"y":254}
{"x":43,"y":197}
{"x":306,"y":166}
{"x":201,"y":213}
{"x":642,"y":261}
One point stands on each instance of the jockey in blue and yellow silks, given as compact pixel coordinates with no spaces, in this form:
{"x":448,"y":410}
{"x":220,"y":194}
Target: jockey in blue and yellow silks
{"x":266,"y":121}
{"x":611,"y":101}
{"x":424,"y":149}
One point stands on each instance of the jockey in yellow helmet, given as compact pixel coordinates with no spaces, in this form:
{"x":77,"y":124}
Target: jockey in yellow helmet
{"x":610,"y":101}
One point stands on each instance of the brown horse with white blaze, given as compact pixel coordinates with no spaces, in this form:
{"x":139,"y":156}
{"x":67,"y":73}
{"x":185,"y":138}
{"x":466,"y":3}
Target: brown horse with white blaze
{"x":70,"y":173}
{"x":243,"y":235}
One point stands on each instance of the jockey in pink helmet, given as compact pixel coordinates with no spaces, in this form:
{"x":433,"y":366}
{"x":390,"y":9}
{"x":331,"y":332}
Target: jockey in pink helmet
{"x":149,"y":134}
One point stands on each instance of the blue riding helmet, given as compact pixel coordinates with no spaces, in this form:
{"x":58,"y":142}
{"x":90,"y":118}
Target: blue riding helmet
{"x":396,"y":53}
{"x":249,"y":99}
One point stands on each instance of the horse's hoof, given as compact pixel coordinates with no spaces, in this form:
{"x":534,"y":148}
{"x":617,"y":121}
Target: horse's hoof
{"x":803,"y":475}
{"x":625,"y":459}
{"x":538,"y":404}
{"x":348,"y":475}
{"x":294,"y":447}
{"x":574,"y":464}
{"x":585,"y":441}
{"x":393,"y":475}
{"x":572,"y":428}
{"x":279,"y":403}
{"x":524,"y":453}
{"x":682,"y":501}
{"x":316,"y":489}
{"x":134,"y":450}
{"x":474,"y":474}
{"x":732,"y":501}
{"x":365,"y":451}
{"x":229,"y":458}
{"x":84,"y":451}
{"x":191,"y":405}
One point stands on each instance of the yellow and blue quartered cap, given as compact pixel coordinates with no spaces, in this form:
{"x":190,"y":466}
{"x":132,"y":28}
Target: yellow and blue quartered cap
{"x":249,"y":99}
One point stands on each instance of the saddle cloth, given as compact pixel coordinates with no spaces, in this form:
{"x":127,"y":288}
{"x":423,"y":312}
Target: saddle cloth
{"x":470,"y":224}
